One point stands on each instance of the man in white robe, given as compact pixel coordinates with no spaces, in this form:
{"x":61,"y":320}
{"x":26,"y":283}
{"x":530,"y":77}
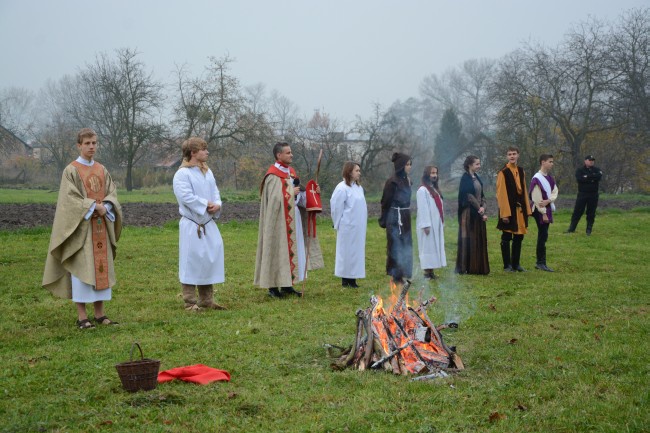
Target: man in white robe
{"x":429,"y":223}
{"x":350,"y":218}
{"x":201,"y":254}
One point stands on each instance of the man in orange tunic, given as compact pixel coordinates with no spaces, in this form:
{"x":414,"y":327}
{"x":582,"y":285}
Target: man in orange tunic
{"x":87,"y":225}
{"x":514,"y":209}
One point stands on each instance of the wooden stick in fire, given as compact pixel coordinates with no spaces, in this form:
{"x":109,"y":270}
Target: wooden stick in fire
{"x":402,"y":295}
{"x":390,"y":355}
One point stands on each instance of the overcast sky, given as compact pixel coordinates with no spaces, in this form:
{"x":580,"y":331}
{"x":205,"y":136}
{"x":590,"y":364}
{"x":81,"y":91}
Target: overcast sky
{"x":339,"y":56}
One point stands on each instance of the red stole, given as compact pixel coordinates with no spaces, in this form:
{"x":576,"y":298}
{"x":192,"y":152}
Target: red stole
{"x":289,"y":204}
{"x":94,"y":184}
{"x":437,"y":199}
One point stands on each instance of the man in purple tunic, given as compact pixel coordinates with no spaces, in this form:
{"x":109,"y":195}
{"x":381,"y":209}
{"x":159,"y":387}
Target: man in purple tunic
{"x":543,"y":192}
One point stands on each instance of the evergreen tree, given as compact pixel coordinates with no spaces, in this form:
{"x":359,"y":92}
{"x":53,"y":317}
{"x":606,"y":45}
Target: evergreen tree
{"x":449,"y":142}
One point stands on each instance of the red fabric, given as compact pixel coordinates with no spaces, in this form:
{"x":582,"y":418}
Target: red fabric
{"x":313,"y":198}
{"x":199,"y":373}
{"x":437,"y":199}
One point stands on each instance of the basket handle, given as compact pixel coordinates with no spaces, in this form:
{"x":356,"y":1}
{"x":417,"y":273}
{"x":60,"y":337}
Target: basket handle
{"x":135,"y":343}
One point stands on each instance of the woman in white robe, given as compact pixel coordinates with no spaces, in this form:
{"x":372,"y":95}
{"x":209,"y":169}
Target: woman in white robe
{"x":430,"y":224}
{"x":350,"y":218}
{"x":201,"y":253}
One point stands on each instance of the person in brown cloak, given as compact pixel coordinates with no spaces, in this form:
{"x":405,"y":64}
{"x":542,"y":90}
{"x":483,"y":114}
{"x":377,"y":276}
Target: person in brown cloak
{"x":87,"y":226}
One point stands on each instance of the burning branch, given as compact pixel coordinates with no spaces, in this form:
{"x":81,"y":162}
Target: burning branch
{"x":399,"y":305}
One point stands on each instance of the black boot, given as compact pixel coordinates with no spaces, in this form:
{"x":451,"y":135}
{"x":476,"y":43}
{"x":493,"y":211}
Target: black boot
{"x":540,"y":254}
{"x":274,"y":292}
{"x":588,"y":230}
{"x":345,"y":282}
{"x":516,"y":253}
{"x":505,"y":254}
{"x":353,"y":283}
{"x":291,"y":291}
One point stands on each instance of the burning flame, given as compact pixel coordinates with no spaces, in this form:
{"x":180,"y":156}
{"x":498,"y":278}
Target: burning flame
{"x":399,"y":325}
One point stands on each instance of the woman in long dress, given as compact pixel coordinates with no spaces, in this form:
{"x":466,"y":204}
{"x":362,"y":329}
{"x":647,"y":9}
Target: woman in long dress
{"x":429,"y":223}
{"x":350,"y":218}
{"x":396,"y":219}
{"x":472,"y":257}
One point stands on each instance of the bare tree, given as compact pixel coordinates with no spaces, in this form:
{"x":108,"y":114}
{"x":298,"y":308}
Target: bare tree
{"x":56,"y":128}
{"x":464,"y":89}
{"x":17,"y":111}
{"x":308,"y":138}
{"x":629,"y":50}
{"x":213,"y":105}
{"x":378,"y":135}
{"x":122,"y":102}
{"x":283,"y":113}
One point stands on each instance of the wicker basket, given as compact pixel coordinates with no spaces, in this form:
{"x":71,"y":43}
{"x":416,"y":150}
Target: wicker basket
{"x":141,"y":374}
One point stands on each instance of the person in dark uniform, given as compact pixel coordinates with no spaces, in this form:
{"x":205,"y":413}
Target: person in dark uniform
{"x":588,"y":176}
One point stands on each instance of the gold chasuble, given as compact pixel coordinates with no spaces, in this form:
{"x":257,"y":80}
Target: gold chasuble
{"x":93,"y":181}
{"x":83,"y":247}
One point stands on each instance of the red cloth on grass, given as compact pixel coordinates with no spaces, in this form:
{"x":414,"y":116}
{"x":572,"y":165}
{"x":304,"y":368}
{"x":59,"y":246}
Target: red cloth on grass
{"x":199,"y":373}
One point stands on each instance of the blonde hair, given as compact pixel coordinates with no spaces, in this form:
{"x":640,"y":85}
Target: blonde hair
{"x":85,"y":133}
{"x":193,"y":144}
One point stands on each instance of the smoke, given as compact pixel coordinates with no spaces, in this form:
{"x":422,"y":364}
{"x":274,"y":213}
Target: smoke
{"x":455,"y":302}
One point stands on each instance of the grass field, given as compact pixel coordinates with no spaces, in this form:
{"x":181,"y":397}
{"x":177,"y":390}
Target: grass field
{"x":160,"y":194}
{"x":545,"y":352}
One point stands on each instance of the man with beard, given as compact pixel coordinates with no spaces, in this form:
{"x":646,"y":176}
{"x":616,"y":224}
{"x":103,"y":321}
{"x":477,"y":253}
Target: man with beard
{"x":430,"y":224}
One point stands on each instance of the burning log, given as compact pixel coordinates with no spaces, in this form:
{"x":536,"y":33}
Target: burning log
{"x":402,"y":340}
{"x":390,"y":355}
{"x":402,"y":296}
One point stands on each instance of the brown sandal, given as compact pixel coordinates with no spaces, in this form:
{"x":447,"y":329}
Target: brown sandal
{"x":84,"y":324}
{"x":105,"y":321}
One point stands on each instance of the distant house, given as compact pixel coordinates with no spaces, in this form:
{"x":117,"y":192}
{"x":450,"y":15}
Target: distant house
{"x":12,"y":149}
{"x":169,"y":162}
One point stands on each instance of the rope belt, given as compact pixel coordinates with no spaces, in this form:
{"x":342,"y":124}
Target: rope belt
{"x":198,"y":226}
{"x":399,"y":217}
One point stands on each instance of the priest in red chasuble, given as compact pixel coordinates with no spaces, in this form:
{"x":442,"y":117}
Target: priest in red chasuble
{"x":87,"y":226}
{"x":281,"y":258}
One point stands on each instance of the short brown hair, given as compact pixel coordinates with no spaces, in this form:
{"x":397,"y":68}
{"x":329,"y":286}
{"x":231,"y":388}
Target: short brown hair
{"x":348,"y":167}
{"x":544,"y":157}
{"x":277,"y":148}
{"x":85,"y":133}
{"x":513,"y":149}
{"x":193,"y":144}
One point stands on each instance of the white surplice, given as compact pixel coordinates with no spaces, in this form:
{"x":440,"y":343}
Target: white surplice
{"x":432,"y":246}
{"x":350,"y":218}
{"x":201,"y":259}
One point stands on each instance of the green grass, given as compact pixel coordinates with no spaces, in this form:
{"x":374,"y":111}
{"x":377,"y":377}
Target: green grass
{"x":545,"y":352}
{"x":160,"y":194}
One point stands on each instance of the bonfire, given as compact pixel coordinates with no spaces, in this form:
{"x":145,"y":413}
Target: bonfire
{"x":400,"y":339}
